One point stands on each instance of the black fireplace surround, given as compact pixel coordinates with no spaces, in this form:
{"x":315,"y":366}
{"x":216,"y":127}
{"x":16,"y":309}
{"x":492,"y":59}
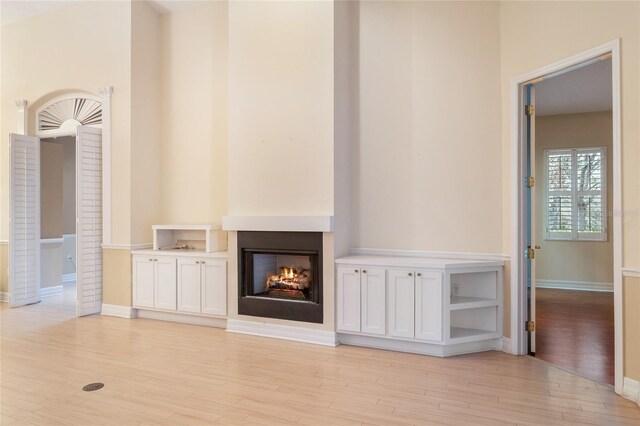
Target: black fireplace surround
{"x":278,"y":297}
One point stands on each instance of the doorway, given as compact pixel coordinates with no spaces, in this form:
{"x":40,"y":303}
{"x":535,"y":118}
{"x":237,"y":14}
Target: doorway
{"x":548,"y":217}
{"x":58,"y":222}
{"x":573,"y":286}
{"x":25,"y":255}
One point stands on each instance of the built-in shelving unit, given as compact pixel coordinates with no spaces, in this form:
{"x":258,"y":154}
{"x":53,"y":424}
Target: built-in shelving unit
{"x":199,"y":237}
{"x":434,"y":306}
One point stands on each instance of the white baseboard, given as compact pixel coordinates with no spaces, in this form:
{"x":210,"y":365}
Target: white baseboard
{"x":69,"y":278}
{"x":182,"y":318}
{"x":506,"y":345}
{"x":419,"y":347}
{"x":51,"y":291}
{"x":574,"y":285}
{"x":4,"y":296}
{"x":118,"y":311}
{"x":430,"y":254}
{"x":298,"y":334}
{"x":631,"y":389}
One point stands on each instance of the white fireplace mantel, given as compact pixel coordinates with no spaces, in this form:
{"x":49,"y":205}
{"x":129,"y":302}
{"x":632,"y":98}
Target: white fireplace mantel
{"x":278,"y":223}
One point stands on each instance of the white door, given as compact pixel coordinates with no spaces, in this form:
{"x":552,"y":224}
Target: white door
{"x":88,"y":220}
{"x":348,"y":298}
{"x":164,"y":290}
{"x":24,"y":220}
{"x":401,"y":303}
{"x":143,"y":279}
{"x":374,"y":312}
{"x":214,"y":287}
{"x":189,"y":285}
{"x":429,"y":306}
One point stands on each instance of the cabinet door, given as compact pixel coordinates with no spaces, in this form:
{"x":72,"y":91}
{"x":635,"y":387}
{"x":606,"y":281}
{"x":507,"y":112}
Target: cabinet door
{"x":429,"y":305}
{"x":401,"y":303}
{"x":349,"y":298}
{"x":143,"y":281}
{"x":374,"y":306}
{"x":214,"y":287}
{"x":165,"y":283}
{"x":189,"y":285}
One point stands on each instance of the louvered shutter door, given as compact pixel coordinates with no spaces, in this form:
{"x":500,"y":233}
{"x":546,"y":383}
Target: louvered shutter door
{"x":24,"y":217}
{"x":89,"y":220}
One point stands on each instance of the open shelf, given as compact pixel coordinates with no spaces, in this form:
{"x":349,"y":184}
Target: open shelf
{"x":463,"y":302}
{"x":469,"y":334}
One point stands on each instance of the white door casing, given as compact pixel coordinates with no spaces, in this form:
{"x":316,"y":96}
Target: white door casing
{"x":24,"y":220}
{"x":89,"y":220}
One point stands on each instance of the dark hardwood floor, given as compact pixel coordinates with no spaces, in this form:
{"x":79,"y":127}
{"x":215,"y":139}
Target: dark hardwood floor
{"x":574,"y":330}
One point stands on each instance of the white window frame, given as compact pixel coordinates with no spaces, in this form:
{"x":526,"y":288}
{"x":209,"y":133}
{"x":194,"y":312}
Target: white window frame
{"x":574,"y":235}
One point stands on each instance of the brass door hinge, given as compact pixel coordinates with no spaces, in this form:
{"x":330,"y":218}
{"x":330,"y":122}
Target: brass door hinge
{"x":529,"y":110}
{"x":530,"y":253}
{"x":529,"y":181}
{"x":530,"y":325}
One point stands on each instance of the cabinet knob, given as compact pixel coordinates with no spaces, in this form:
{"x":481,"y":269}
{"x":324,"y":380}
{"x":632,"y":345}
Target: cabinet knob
{"x":364,"y":271}
{"x":203,"y":262}
{"x":197,"y":262}
{"x":410,"y":274}
{"x":155,"y":260}
{"x":419,"y":274}
{"x":356,"y":271}
{"x":150,"y":260}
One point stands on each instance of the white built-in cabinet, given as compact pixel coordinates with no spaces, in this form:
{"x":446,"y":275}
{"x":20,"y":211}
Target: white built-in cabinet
{"x":451,"y":305}
{"x":180,"y":282}
{"x":202,"y":286}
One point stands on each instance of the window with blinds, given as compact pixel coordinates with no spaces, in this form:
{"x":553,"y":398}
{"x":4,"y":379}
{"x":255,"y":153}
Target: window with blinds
{"x":575,"y":194}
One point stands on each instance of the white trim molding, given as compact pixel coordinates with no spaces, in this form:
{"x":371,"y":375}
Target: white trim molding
{"x":118,"y":311}
{"x":297,"y":334}
{"x":4,"y":297}
{"x":574,"y":285}
{"x":278,"y":223}
{"x":182,"y":318}
{"x":51,"y":291}
{"x":142,"y":246}
{"x":519,"y":306}
{"x":4,"y":242}
{"x":44,"y":241}
{"x":69,"y":278}
{"x":631,"y":272}
{"x":506,"y":345}
{"x":22,"y":116}
{"x":430,"y":254}
{"x":631,"y":390}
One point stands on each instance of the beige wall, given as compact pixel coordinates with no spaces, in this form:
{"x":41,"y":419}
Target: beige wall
{"x":51,"y":188}
{"x":631,"y":291}
{"x":116,"y":288}
{"x":427,"y":171}
{"x":281,"y":108}
{"x":82,"y":47}
{"x":194,"y":114}
{"x":69,"y":186}
{"x":535,"y":34}
{"x":4,"y":262}
{"x":146,"y":167}
{"x":586,"y":261}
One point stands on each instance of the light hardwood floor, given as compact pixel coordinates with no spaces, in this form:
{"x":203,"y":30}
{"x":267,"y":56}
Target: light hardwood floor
{"x":172,"y":374}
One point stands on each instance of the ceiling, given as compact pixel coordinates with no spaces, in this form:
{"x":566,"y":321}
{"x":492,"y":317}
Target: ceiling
{"x":16,"y":10}
{"x":586,"y":89}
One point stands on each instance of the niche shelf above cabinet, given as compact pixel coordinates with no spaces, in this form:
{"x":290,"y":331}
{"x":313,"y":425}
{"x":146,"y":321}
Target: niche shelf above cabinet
{"x":203,"y":238}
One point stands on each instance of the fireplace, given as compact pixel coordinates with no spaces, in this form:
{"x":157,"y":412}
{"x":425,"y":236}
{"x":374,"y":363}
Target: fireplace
{"x":280,"y":275}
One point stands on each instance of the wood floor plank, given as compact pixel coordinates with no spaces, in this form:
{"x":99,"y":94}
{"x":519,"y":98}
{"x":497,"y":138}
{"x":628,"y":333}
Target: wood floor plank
{"x":160,"y":373}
